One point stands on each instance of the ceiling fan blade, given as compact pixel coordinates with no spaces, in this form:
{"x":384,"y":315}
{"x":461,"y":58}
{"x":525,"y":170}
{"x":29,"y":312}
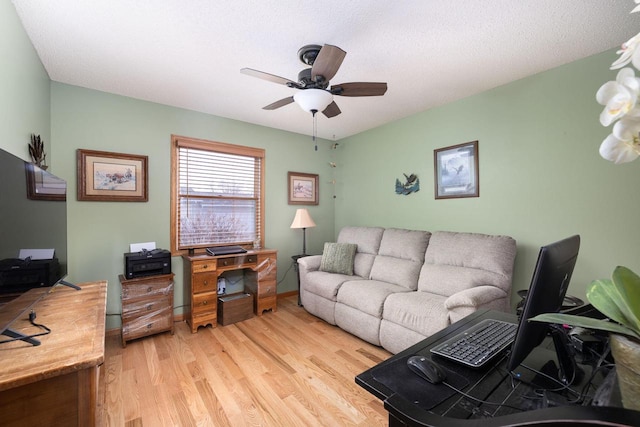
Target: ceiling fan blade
{"x":359,"y":89}
{"x":278,"y":104}
{"x":327,"y":62}
{"x":332,"y":110}
{"x":266,"y":76}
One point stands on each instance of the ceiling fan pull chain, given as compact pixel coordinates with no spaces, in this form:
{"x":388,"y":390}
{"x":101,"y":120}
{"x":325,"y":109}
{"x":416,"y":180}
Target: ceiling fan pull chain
{"x":315,"y":128}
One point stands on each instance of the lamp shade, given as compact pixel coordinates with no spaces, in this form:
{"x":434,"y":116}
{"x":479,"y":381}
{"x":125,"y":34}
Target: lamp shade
{"x":302,"y":219}
{"x":313,"y":99}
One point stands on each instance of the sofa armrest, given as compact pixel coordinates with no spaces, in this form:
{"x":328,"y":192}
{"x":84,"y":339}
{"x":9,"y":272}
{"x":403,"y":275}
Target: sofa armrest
{"x":463,"y":303}
{"x":309,"y":263}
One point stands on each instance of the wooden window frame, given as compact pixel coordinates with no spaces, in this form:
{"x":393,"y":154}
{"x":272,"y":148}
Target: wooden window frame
{"x":220,"y":147}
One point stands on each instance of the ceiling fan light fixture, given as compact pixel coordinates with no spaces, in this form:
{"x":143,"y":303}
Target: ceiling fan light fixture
{"x":313,"y":100}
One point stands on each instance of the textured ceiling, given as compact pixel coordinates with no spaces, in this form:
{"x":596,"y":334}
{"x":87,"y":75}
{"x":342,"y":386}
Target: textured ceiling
{"x":188,"y":54}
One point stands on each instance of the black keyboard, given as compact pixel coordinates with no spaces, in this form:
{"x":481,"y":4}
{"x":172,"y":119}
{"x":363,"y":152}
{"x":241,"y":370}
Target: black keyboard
{"x":478,"y":344}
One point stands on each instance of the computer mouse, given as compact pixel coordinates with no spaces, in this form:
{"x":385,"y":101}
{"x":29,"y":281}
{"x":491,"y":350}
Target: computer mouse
{"x":427,"y":369}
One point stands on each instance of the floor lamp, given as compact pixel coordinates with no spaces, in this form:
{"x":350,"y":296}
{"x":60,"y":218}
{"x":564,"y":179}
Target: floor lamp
{"x":303,"y":220}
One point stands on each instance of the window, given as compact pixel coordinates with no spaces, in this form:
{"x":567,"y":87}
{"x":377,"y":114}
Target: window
{"x":217,"y":195}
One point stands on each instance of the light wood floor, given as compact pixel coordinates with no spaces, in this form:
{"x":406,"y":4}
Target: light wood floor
{"x":286,"y":368}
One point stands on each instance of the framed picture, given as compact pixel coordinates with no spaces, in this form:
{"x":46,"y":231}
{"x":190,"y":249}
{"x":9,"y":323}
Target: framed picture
{"x":456,"y":171}
{"x":303,"y":188}
{"x":112,"y":177}
{"x":41,"y":185}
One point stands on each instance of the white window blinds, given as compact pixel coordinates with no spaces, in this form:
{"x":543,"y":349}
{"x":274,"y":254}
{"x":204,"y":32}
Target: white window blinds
{"x":218,"y":194}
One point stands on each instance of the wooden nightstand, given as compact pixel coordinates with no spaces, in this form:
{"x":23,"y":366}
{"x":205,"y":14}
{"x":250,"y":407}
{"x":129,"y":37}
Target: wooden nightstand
{"x":147,"y":306}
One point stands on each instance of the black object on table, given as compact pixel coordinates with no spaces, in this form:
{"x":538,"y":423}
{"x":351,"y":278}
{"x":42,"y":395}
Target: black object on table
{"x":295,"y":259}
{"x":410,"y":402}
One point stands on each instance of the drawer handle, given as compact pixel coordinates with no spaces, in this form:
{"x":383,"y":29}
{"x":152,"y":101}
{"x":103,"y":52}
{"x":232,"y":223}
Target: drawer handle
{"x":149,"y":289}
{"x":149,"y":307}
{"x":268,"y":289}
{"x":206,"y":283}
{"x":150,"y":325}
{"x":225,"y":262}
{"x":204,"y":267}
{"x":204,"y":302}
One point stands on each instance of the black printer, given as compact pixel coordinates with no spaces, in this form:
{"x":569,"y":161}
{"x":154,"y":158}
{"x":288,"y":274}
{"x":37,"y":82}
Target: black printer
{"x":20,"y":275}
{"x":147,"y":263}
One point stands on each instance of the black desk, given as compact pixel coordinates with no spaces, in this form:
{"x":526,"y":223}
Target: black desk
{"x":491,"y":383}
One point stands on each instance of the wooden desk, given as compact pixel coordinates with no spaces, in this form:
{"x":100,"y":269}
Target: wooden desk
{"x":56,"y":383}
{"x":201,"y":274}
{"x":486,"y":383}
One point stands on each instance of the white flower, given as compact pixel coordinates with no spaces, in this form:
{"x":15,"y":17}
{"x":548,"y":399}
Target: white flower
{"x":619,"y":97}
{"x":623,"y":144}
{"x":628,"y":52}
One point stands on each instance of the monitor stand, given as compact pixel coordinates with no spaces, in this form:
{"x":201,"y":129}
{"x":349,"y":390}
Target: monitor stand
{"x":558,"y":363}
{"x":17,"y":336}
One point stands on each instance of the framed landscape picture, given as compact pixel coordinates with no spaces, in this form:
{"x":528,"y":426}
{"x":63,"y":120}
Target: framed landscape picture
{"x":302,"y":188}
{"x":456,"y":171}
{"x":112,"y":177}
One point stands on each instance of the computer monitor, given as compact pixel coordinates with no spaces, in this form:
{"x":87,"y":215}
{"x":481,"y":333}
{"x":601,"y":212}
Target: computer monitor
{"x":546,"y":294}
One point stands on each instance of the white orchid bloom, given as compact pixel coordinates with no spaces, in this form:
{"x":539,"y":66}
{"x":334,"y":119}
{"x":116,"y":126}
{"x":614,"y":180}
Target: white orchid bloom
{"x":619,"y":97}
{"x":627,"y":52}
{"x":623,"y":144}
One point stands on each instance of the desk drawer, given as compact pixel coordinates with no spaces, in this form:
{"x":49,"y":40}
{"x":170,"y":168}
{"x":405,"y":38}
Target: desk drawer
{"x":204,"y":303}
{"x":267,"y":288}
{"x":239,"y":261}
{"x":205,"y":282}
{"x":203,"y":266}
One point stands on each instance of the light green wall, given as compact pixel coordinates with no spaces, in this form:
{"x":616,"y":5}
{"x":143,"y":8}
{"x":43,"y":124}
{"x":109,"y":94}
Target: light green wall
{"x":100,"y":232}
{"x":24,"y":88}
{"x":541,"y":178}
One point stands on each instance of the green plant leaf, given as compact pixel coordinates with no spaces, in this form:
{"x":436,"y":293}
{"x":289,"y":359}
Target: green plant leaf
{"x":628,"y":284}
{"x":604,"y":296}
{"x":585,"y":322}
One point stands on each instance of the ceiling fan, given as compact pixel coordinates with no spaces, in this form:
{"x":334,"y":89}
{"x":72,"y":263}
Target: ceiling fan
{"x":315,"y":94}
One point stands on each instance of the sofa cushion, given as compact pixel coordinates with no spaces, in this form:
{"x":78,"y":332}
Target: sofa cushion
{"x":459,"y":261}
{"x":367,"y":296}
{"x":325,"y":284}
{"x":368,"y":241}
{"x":338,"y":258}
{"x":400,"y":257}
{"x":418,"y":311}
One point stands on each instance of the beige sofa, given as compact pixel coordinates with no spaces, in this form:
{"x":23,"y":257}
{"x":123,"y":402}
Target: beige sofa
{"x":406,"y":285}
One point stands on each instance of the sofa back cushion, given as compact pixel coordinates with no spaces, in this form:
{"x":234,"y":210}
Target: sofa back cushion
{"x":367,"y":240}
{"x":459,"y":261}
{"x":400,"y":257}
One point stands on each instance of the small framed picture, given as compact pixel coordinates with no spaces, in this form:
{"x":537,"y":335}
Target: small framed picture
{"x":41,"y":185}
{"x":456,"y":171}
{"x":303,"y":188}
{"x":112,"y":177}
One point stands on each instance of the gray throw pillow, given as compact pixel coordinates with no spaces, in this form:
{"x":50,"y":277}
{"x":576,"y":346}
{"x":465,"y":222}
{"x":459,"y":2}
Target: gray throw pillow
{"x":338,"y":258}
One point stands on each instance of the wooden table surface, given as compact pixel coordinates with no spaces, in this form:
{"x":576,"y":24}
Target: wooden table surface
{"x":77,"y":323}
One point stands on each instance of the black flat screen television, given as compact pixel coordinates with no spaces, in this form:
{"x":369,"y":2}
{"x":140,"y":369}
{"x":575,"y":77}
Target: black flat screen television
{"x":546,"y":294}
{"x":33,"y":219}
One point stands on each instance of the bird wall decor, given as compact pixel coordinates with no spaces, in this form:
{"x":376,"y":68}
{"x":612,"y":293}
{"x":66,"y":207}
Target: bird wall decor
{"x":411,"y":185}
